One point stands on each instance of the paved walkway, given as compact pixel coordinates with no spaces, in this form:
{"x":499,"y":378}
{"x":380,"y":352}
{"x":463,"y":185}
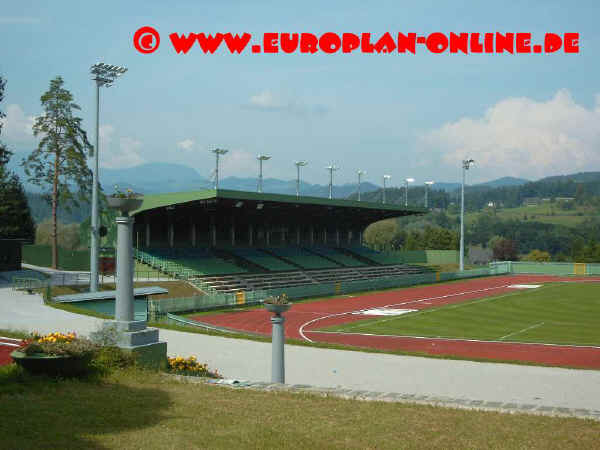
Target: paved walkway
{"x":495,"y":384}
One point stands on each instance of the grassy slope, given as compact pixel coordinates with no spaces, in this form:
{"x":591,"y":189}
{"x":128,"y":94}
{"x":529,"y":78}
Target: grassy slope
{"x":557,"y":313}
{"x":545,"y":213}
{"x":144,"y":410}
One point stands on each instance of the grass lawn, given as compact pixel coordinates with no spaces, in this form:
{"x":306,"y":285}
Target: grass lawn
{"x":556,"y":313}
{"x":135,"y":409}
{"x":545,"y":213}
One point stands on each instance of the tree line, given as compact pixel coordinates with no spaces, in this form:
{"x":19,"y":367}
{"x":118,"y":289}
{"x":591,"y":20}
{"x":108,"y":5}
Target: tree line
{"x":583,"y":188}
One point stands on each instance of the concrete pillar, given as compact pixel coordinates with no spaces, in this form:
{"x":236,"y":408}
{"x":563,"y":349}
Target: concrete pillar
{"x":277,"y":345}
{"x":360,"y":237}
{"x":213,"y":231}
{"x":349,"y":237}
{"x":124,"y":297}
{"x":268,"y":235}
{"x":337,"y":237}
{"x":147,"y":234}
{"x":171,"y":234}
{"x":193,"y":232}
{"x":232,"y":232}
{"x":312,"y":235}
{"x":250,"y":234}
{"x":325,"y":236}
{"x":282,"y":235}
{"x":298,"y":236}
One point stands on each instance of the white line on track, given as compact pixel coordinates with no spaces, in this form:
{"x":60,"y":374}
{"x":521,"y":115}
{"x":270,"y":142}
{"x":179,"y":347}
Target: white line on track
{"x":9,"y":339}
{"x":9,"y":345}
{"x":438,"y":338}
{"x":456,"y":294}
{"x":521,"y":331}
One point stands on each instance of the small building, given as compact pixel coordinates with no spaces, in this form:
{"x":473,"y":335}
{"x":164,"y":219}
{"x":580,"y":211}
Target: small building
{"x":10,"y":254}
{"x":531,"y":201}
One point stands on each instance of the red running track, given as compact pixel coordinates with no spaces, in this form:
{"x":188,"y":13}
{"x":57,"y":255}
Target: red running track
{"x":304,"y":319}
{"x":6,"y":348}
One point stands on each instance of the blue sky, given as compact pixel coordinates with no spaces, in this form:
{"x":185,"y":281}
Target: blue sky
{"x":406,"y":115}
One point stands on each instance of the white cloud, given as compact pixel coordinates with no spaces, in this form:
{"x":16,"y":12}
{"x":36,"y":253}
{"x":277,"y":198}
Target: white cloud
{"x":186,"y":144}
{"x":268,"y":101}
{"x":522,"y":137}
{"x":127,"y":154}
{"x":17,"y":126}
{"x":106,"y":133}
{"x":265,"y":100}
{"x":237,"y":163}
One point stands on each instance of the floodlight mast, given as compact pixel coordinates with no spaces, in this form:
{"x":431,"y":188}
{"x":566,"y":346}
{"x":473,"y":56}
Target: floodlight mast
{"x":332,"y":168}
{"x":103,"y":75}
{"x":385,"y":178}
{"x":406,"y":181}
{"x":261,"y":158}
{"x":427,"y":184}
{"x":465,"y":166}
{"x":360,"y":173}
{"x":218,"y":152}
{"x":298,"y":165}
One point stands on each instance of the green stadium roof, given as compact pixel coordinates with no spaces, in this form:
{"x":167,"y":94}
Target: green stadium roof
{"x":176,"y":198}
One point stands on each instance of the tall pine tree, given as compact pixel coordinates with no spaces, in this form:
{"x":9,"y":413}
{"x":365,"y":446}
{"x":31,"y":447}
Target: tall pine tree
{"x":59,"y":164}
{"x":15,"y":217}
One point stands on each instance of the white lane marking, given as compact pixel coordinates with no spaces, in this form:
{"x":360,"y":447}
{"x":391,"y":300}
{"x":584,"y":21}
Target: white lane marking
{"x":439,"y":338}
{"x":9,"y":339}
{"x":427,"y":311}
{"x":525,"y":286}
{"x":385,"y":312}
{"x":521,"y":331}
{"x":301,"y":329}
{"x":9,"y":345}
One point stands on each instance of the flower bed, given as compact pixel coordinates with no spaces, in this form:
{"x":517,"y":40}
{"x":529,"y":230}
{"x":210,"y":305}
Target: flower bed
{"x":55,"y":354}
{"x":190,"y":367}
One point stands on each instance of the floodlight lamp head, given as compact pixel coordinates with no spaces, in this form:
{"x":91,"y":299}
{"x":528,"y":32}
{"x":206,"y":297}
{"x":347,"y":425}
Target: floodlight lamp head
{"x":219,"y":151}
{"x":263,"y":157}
{"x":301,"y":163}
{"x":361,"y":172}
{"x":468,"y":163}
{"x":410,"y":180}
{"x":430,"y":182}
{"x":387,"y":177}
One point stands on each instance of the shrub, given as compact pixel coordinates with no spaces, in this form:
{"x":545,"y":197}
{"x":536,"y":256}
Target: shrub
{"x":537,"y":256}
{"x":112,"y":357}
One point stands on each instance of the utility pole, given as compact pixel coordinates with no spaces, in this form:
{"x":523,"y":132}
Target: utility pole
{"x":104,"y":75}
{"x":332,"y":168}
{"x":465,"y":166}
{"x":218,"y":152}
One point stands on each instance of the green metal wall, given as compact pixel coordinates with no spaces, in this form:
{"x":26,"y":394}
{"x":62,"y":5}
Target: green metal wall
{"x":41,"y":255}
{"x":426,"y":256}
{"x":549,"y":268}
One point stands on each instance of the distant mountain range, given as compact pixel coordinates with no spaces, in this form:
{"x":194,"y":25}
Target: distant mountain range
{"x":152,"y":178}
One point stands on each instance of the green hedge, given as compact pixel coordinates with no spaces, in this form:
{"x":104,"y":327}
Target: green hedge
{"x":41,"y":255}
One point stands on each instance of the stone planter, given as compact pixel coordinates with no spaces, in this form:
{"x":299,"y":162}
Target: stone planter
{"x":125,"y":204}
{"x":61,"y":365}
{"x":276,"y":308}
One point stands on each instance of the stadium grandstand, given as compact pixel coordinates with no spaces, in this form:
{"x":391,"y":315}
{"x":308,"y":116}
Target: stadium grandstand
{"x":228,"y":241}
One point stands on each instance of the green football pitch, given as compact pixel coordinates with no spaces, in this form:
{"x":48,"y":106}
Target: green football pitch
{"x":558,"y":313}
